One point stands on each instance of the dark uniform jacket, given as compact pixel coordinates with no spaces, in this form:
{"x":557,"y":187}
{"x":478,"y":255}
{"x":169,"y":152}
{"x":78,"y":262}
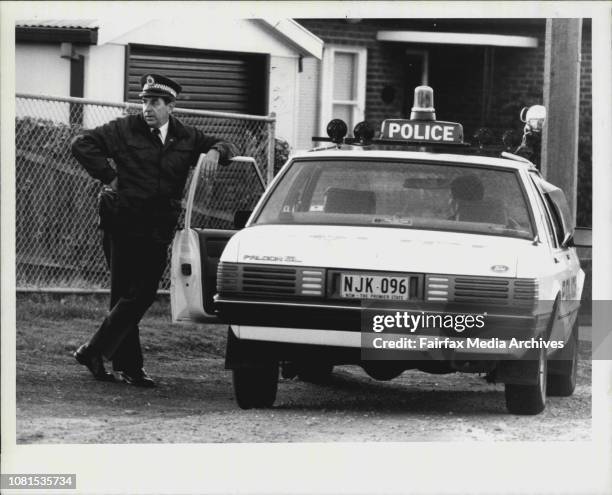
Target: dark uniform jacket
{"x":151,"y":176}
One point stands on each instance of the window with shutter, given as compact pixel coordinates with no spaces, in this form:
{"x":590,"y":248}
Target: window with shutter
{"x":211,"y":80}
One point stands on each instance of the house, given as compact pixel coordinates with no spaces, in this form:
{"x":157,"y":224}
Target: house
{"x":247,"y":66}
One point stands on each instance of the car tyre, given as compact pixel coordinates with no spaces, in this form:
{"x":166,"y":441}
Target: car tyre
{"x":562,"y":382}
{"x":316,"y":373}
{"x":383,"y":370}
{"x":255,"y":386}
{"x":529,"y":399}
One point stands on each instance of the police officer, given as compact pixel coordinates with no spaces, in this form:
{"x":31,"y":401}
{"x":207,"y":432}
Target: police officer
{"x":153,"y":152}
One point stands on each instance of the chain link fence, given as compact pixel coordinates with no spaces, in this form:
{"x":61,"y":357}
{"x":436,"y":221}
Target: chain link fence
{"x":58,"y":244}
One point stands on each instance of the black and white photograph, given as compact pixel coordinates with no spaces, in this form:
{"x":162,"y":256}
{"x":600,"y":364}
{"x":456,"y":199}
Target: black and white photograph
{"x":306,"y":247}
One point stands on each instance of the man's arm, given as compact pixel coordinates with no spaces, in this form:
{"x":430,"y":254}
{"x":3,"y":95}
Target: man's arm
{"x":92,"y":149}
{"x":216,"y":150}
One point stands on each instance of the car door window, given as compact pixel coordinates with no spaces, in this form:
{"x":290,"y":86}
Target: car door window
{"x":557,"y":203}
{"x":545,"y":214}
{"x":218,"y":196}
{"x":558,"y":226}
{"x":557,"y":208}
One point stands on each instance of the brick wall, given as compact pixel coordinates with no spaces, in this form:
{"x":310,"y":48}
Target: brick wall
{"x":456,"y":73}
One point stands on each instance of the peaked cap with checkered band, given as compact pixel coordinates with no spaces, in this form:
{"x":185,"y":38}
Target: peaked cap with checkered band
{"x":158,"y":85}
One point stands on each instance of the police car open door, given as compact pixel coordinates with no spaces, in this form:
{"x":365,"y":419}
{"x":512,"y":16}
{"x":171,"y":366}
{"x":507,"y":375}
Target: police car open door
{"x":214,"y":202}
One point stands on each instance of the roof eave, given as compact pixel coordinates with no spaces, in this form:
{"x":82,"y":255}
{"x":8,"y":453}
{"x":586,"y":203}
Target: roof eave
{"x":305,"y":42}
{"x":40,"y":34}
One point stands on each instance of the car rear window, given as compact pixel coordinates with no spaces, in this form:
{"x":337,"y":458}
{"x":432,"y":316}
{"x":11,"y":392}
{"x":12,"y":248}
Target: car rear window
{"x":400,"y":194}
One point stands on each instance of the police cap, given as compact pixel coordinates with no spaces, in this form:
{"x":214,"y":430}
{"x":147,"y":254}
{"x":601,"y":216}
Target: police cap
{"x":158,"y":85}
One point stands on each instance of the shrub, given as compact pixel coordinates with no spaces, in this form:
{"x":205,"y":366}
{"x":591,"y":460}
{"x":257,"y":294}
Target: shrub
{"x":281,"y":154}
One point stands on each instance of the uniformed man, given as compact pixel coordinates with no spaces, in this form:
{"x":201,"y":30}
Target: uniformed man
{"x":153,"y":152}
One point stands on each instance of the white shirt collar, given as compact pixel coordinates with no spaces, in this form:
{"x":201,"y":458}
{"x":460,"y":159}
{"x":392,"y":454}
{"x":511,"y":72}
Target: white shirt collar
{"x":163,"y":130}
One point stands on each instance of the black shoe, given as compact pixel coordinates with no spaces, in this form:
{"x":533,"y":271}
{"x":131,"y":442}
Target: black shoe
{"x":94,"y":363}
{"x":138,"y":378}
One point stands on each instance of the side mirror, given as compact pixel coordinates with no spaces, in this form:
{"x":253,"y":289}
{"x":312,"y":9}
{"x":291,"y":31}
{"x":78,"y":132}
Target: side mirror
{"x":568,"y":240}
{"x":241,"y":217}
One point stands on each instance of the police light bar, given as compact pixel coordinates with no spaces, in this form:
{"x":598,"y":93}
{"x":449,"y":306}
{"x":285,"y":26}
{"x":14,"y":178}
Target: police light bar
{"x":422,"y":128}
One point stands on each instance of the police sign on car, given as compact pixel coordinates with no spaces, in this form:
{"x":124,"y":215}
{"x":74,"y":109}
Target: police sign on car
{"x":422,"y":126}
{"x":427,"y":132}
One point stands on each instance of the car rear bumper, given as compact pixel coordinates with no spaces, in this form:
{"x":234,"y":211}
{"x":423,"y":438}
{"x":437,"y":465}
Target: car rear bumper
{"x":343,"y":326}
{"x":423,"y":347}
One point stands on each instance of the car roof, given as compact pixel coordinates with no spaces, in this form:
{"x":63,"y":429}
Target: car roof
{"x":516,"y":162}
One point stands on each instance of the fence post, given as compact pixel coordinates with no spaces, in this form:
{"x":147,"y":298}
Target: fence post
{"x":271,"y":146}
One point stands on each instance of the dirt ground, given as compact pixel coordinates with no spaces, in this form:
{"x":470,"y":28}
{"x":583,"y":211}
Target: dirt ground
{"x":59,"y":402}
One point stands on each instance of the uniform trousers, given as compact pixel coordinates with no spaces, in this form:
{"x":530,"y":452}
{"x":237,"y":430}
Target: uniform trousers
{"x":129,"y":352}
{"x":136,"y":266}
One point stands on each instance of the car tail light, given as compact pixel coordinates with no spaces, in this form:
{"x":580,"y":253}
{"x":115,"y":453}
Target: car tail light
{"x":311,"y":282}
{"x":519,"y":292}
{"x":270,"y":280}
{"x":228,"y":277}
{"x":437,"y":288}
{"x":525,"y":292}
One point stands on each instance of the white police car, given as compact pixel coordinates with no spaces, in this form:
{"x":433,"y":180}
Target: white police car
{"x":354,"y":234}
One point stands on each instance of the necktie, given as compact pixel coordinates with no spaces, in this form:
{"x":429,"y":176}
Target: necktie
{"x":156,"y":132}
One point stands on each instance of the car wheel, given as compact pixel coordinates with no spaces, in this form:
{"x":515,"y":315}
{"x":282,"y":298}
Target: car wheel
{"x":529,"y":399}
{"x":316,"y":373}
{"x":383,"y":370}
{"x":255,"y":386}
{"x":562,"y":382}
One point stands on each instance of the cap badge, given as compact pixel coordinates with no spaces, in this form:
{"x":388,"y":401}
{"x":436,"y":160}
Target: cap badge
{"x":150,"y":80}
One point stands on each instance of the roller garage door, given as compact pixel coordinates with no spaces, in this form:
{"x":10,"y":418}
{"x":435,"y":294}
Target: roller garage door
{"x":211,"y":80}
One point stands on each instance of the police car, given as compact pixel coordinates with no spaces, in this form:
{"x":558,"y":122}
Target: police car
{"x":410,"y":225}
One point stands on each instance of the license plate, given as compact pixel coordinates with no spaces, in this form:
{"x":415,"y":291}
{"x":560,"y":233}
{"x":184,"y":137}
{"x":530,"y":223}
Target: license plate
{"x":353,"y":286}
